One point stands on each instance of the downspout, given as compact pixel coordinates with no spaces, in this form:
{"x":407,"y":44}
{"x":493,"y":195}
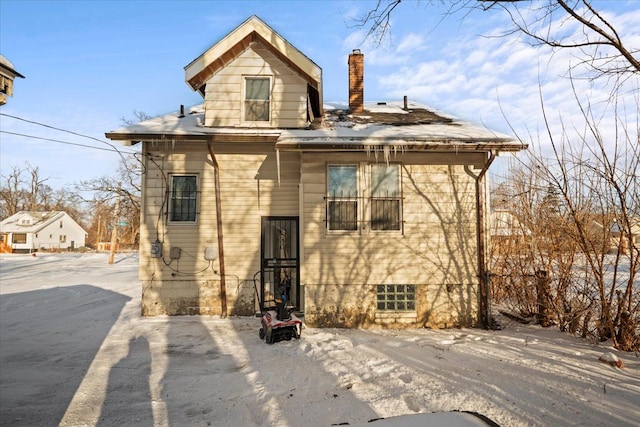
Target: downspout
{"x":485,"y":297}
{"x":223,"y":285}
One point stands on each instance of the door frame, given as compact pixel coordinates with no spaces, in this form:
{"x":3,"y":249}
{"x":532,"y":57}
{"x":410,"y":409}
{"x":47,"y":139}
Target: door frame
{"x":271,"y":266}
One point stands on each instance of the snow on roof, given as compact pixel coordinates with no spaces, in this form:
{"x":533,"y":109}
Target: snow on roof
{"x":28,"y":221}
{"x":384,"y":124}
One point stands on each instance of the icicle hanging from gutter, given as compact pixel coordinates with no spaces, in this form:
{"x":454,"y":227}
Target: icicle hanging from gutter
{"x":278,"y":165}
{"x":386,"y":151}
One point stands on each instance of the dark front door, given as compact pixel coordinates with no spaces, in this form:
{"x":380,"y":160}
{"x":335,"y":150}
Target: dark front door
{"x":280,"y":267}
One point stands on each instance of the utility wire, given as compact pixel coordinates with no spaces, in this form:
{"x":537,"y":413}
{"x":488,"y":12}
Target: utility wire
{"x":64,"y":130}
{"x":67,"y":142}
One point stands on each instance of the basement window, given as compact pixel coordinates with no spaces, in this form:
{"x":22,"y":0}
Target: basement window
{"x":184,"y":198}
{"x":257,"y":98}
{"x":396,"y":297}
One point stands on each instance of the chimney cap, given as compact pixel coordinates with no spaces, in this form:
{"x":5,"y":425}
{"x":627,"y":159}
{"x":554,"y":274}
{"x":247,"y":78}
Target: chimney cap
{"x":356,"y":52}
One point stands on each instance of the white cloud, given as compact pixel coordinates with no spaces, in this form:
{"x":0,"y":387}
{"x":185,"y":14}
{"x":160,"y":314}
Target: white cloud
{"x":410,"y":43}
{"x":483,"y":78}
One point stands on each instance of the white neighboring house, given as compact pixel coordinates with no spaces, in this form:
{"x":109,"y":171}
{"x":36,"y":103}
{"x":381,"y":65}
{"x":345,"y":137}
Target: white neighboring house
{"x":32,"y":231}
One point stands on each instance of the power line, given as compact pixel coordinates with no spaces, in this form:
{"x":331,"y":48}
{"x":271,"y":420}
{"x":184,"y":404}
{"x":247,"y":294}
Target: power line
{"x":114,"y":148}
{"x":66,"y":142}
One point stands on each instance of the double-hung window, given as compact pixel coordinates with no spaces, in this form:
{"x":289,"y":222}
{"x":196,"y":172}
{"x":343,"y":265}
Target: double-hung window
{"x":183,"y":201}
{"x":257,"y":98}
{"x":342,"y":201}
{"x":380,"y":208}
{"x":385,"y":197}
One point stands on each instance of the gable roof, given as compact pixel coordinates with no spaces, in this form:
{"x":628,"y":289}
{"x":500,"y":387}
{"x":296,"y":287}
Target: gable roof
{"x":251,"y":31}
{"x":31,"y":221}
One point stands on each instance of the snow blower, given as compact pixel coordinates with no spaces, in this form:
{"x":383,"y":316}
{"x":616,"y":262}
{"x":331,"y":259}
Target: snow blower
{"x":277,"y":320}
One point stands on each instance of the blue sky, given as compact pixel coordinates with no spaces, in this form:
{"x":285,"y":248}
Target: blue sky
{"x":88,"y":64}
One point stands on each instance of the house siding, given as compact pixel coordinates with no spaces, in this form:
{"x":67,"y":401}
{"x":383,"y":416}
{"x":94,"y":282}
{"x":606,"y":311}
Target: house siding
{"x":224,"y":92}
{"x":249,"y":190}
{"x":436,"y":252}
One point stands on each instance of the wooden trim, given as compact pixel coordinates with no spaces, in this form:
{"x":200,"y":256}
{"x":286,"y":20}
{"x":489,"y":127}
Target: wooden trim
{"x":198,"y":81}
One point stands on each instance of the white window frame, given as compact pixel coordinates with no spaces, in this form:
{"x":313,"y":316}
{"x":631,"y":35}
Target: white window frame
{"x":340,"y":198}
{"x":243,"y":111}
{"x":371,"y":197}
{"x":170,"y":199}
{"x":363,"y":199}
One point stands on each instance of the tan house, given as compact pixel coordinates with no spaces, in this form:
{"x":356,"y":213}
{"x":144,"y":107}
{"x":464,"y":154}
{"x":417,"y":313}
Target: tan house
{"x":7,"y":76}
{"x":365,"y":214}
{"x":626,"y":240}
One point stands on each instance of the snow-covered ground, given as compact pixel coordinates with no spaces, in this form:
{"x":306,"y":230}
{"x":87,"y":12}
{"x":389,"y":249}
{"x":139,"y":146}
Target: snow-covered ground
{"x":75,"y":351}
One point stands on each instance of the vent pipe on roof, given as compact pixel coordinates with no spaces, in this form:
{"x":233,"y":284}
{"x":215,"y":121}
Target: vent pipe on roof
{"x":406,"y":103}
{"x":356,"y":81}
{"x":181,"y":115}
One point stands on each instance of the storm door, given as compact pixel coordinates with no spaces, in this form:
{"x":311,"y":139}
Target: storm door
{"x":280,"y":265}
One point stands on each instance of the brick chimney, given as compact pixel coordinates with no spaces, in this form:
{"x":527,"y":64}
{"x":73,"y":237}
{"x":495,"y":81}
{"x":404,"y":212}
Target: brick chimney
{"x":356,"y":82}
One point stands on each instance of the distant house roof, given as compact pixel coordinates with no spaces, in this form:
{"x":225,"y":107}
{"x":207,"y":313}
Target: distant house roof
{"x":635,"y":226}
{"x":29,"y":221}
{"x":383,"y":126}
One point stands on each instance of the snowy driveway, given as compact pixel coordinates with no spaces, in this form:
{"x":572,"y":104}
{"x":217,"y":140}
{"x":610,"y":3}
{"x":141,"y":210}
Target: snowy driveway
{"x":74,"y":351}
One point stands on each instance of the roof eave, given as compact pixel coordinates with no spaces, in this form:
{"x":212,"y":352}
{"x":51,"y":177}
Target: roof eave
{"x":134,"y":138}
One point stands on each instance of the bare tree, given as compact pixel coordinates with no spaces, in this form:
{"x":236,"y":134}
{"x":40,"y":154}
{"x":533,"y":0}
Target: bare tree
{"x":122,"y":189}
{"x":11,"y":192}
{"x":104,"y":193}
{"x":36,"y":187}
{"x":598,"y":44}
{"x":24,"y":188}
{"x":583,"y":234}
{"x":138,"y":116}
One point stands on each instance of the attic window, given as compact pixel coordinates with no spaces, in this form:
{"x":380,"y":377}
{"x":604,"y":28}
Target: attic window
{"x":257,"y":97}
